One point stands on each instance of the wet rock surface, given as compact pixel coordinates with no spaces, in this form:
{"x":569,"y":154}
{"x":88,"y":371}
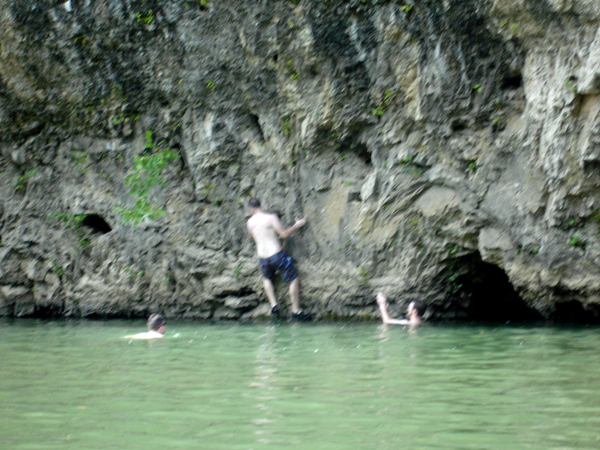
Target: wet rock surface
{"x":448,"y":151}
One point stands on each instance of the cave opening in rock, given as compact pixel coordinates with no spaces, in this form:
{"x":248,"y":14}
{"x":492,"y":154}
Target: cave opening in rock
{"x":360,"y":150}
{"x":573,"y":312}
{"x":96,"y":223}
{"x":47,"y":312}
{"x":482,"y":292}
{"x":512,"y":82}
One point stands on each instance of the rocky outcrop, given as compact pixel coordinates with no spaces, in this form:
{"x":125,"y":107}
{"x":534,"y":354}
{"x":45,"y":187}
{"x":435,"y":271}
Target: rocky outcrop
{"x":443,"y":150}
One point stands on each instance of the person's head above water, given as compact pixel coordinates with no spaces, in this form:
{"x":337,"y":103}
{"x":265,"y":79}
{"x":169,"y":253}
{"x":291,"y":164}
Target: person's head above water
{"x":414,"y":312}
{"x":157,"y":322}
{"x":416,"y":306}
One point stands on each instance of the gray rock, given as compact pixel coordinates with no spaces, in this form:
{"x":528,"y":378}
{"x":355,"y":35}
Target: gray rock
{"x":429,"y":148}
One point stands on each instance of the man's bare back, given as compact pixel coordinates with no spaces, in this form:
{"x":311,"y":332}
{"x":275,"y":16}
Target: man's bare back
{"x":263,"y":228}
{"x":266,"y":229}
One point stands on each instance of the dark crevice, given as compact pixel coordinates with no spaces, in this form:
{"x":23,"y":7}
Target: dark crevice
{"x":47,"y":312}
{"x":482,"y":292}
{"x":591,"y":168}
{"x":363,"y":153}
{"x":256,"y":124}
{"x":96,"y":223}
{"x":360,"y":150}
{"x":512,"y":82}
{"x":458,"y":125}
{"x":573,"y":312}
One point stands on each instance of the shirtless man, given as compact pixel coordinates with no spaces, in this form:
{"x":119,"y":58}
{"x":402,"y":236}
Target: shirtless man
{"x":414,"y":312}
{"x":264,"y":229}
{"x":156,"y":328}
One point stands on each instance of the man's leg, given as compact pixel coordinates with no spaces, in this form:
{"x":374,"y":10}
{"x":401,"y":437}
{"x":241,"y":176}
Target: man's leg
{"x":270,"y":291}
{"x":295,"y":295}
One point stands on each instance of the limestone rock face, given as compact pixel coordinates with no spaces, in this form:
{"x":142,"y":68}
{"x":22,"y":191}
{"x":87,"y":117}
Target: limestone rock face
{"x":442,"y":150}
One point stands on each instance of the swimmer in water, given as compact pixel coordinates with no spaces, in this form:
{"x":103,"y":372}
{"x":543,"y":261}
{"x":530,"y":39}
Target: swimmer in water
{"x":156,"y":328}
{"x":415,"y":311}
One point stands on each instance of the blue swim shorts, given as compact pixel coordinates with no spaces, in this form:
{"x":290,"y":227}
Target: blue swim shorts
{"x":278,"y":262}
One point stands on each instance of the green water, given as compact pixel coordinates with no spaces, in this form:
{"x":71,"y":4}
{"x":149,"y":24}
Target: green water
{"x":81,"y":385}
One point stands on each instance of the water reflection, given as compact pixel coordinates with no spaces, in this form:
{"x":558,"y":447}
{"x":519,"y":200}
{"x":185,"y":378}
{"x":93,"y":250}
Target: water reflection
{"x":265,"y":385}
{"x":336,"y":386}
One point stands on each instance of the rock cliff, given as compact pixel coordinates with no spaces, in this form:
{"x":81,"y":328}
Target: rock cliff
{"x":447,"y":150}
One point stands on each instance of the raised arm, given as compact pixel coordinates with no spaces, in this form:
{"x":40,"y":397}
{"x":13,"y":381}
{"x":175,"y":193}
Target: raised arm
{"x":385,"y":317}
{"x":286,"y":232}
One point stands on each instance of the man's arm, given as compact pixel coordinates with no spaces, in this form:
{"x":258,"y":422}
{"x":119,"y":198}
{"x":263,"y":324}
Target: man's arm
{"x":286,"y":232}
{"x":385,"y":317}
{"x":249,"y":229}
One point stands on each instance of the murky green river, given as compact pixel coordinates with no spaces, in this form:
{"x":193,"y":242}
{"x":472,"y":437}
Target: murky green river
{"x":81,"y":385}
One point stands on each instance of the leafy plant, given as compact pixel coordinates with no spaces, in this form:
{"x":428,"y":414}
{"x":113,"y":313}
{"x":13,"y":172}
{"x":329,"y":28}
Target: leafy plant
{"x":364,"y":276}
{"x":477,"y":88}
{"x":236,"y":272}
{"x":378,"y":111}
{"x":576,"y":241}
{"x":405,"y":162}
{"x":142,"y":209}
{"x":211,"y":85}
{"x":78,"y":155}
{"x":58,"y":270}
{"x":290,"y":68}
{"x":84,"y":243}
{"x":81,"y":39}
{"x":70,"y":220}
{"x":287,"y":129}
{"x":118,"y":119}
{"x":596,"y":218}
{"x":569,"y":83}
{"x":74,"y":221}
{"x":406,"y":8}
{"x":23,"y":179}
{"x":147,"y":19}
{"x":146,"y":173}
{"x":472,"y":165}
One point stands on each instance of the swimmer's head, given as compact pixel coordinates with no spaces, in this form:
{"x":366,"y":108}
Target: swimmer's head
{"x":155,"y":322}
{"x":416,"y":306}
{"x":254,"y":203}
